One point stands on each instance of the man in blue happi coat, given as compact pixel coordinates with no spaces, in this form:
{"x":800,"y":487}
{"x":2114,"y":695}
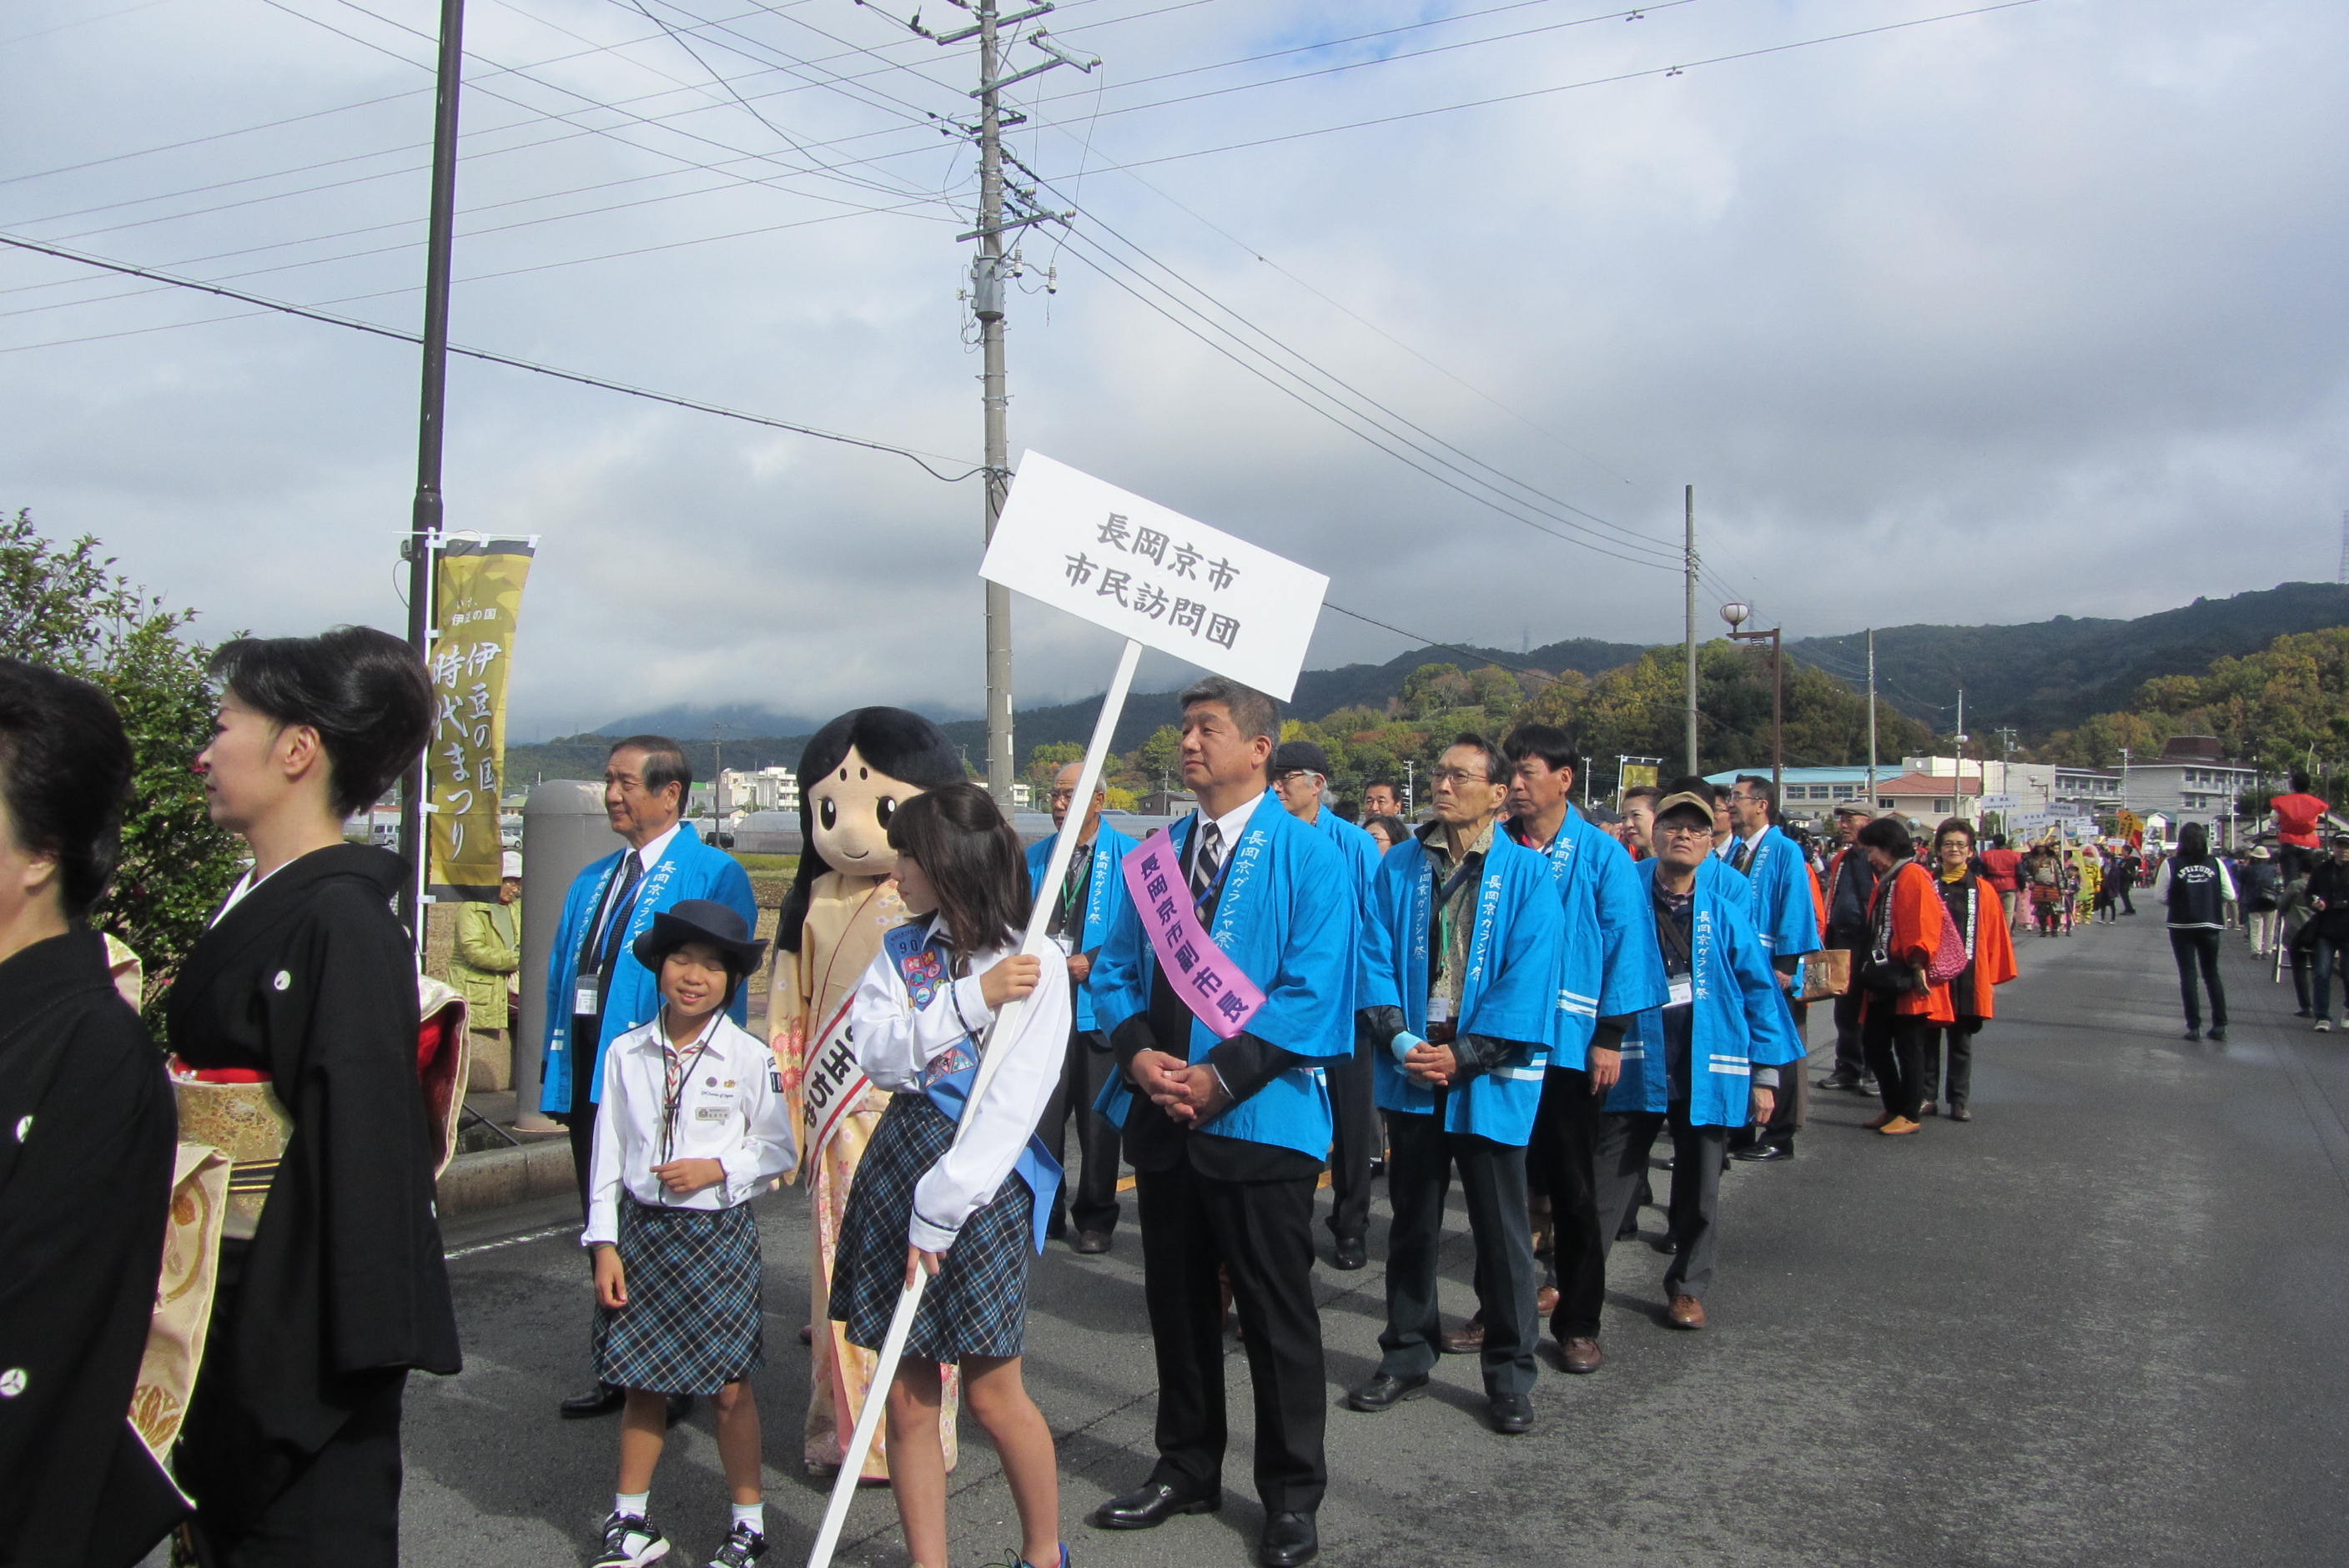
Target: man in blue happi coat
{"x":1084,"y":909}
{"x":1784,"y":907}
{"x":1225,"y":1132}
{"x":595,"y":989}
{"x":1610,"y":970}
{"x":1461,"y":958}
{"x":1704,"y":1062}
{"x":1300,"y":776}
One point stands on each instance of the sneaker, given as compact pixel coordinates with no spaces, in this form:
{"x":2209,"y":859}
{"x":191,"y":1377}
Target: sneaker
{"x":743,"y":1547}
{"x":2323,"y":1025}
{"x":630,"y":1542}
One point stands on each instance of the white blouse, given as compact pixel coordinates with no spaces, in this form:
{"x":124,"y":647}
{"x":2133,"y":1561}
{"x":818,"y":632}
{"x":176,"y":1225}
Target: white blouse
{"x":894,"y":1042}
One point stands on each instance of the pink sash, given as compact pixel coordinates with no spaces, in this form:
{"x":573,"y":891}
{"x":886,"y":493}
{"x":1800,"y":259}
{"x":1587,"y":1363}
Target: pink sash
{"x":1202,"y":973}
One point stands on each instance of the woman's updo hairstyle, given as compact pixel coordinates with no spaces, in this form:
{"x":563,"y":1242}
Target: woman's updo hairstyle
{"x":364,"y":691}
{"x":64,"y":771}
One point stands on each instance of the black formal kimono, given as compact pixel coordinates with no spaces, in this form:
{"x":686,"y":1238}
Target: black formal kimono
{"x":86,"y":1139}
{"x":292,"y":1445}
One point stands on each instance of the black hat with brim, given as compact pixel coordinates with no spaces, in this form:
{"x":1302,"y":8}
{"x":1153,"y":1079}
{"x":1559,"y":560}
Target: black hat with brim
{"x":699,"y":920}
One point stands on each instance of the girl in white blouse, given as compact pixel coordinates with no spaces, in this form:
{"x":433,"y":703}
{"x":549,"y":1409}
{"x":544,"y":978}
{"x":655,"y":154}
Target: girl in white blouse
{"x":969,"y":1212}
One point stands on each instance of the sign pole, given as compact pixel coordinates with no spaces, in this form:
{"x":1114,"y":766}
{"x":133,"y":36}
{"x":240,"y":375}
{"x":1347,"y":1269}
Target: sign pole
{"x":1034,"y":940}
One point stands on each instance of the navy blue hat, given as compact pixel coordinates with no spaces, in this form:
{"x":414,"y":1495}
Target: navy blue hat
{"x":699,"y":920}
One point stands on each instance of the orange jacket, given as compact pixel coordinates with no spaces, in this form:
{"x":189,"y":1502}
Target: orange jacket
{"x":1917,"y":917}
{"x":1994,"y":963}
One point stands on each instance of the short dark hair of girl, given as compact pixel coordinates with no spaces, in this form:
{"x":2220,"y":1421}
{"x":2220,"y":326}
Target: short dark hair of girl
{"x":973,"y":861}
{"x":665,"y":763}
{"x":1889,"y":834}
{"x":64,"y":771}
{"x":364,"y":691}
{"x":1953,"y":825}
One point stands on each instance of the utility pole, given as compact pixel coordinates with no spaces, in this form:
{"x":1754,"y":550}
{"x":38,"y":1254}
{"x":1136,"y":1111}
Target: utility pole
{"x":990,"y":270}
{"x":1735,"y":615}
{"x":1688,"y":573}
{"x":424,"y":519}
{"x":1959,"y":798}
{"x":1872,"y":716}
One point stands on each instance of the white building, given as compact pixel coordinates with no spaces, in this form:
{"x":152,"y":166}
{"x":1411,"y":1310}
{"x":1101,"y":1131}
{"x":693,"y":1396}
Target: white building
{"x":2190,"y":781}
{"x":764,"y":789}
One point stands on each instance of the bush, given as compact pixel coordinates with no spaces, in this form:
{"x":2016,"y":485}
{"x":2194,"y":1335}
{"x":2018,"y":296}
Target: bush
{"x":67,"y":608}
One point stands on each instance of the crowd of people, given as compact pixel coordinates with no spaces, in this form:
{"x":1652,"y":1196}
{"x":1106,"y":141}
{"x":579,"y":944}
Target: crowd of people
{"x":1510,"y":993}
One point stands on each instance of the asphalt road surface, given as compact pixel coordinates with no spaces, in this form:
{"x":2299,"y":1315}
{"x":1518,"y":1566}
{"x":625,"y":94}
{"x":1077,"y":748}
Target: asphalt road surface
{"x":2102,"y":1324}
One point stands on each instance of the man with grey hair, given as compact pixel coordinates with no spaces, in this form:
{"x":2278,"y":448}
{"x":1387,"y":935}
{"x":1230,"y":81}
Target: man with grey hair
{"x":1226,"y":986}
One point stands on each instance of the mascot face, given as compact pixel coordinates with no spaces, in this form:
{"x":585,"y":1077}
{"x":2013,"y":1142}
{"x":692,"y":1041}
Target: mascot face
{"x":850,"y":809}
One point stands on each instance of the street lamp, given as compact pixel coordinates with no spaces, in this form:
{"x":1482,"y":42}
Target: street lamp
{"x":1736,"y":612}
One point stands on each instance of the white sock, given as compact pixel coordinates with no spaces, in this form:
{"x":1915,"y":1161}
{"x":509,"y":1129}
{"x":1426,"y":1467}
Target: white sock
{"x":631,"y":1504}
{"x":753,"y":1515}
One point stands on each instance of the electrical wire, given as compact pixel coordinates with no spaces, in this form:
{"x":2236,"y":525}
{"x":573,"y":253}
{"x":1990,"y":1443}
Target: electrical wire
{"x":581,"y":378}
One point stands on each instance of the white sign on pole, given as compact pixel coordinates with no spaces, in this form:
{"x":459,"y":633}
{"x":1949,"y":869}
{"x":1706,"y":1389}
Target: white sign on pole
{"x":1995,"y":802}
{"x":2028,"y":821}
{"x":1108,"y":556}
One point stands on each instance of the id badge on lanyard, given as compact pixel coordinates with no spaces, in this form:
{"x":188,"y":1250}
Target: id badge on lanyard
{"x":1683,"y":991}
{"x":587,"y":1001}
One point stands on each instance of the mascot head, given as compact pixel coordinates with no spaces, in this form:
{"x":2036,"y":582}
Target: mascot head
{"x":853,"y":775}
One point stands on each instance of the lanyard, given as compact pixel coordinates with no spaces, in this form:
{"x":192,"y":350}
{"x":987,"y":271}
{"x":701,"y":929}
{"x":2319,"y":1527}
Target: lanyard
{"x":1670,"y":937}
{"x":1469,"y":865}
{"x":671,"y":1100}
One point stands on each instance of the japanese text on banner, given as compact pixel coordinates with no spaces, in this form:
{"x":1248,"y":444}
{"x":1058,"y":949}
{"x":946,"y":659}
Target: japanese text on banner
{"x":479,"y":585}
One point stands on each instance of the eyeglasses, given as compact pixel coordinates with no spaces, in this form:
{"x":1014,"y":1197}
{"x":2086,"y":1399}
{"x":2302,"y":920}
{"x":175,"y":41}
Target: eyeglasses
{"x":1683,"y":829}
{"x":1063,"y":795}
{"x":1456,"y":777}
{"x":1293,"y":775}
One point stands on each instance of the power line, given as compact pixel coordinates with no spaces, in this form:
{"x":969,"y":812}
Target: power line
{"x":581,"y":378}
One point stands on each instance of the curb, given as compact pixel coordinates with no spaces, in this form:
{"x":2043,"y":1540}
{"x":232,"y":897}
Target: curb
{"x":498,"y":1178}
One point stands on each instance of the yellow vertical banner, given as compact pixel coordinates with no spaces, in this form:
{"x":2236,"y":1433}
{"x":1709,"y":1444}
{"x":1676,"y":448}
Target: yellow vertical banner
{"x":1638,"y":776}
{"x":477,"y":599}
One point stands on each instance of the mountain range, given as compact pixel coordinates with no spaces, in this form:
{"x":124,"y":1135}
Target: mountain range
{"x":2037,"y":677}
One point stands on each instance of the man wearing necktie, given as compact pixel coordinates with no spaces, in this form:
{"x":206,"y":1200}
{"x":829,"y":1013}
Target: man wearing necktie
{"x":595,"y":989}
{"x":1784,"y":905}
{"x":1226,"y":1129}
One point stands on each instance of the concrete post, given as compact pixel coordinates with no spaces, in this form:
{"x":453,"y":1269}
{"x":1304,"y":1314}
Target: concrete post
{"x":564,"y":831}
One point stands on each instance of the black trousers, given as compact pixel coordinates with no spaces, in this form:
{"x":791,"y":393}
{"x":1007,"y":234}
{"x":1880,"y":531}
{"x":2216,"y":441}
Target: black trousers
{"x":1850,"y":1061}
{"x":580,"y":1122}
{"x":1788,"y":1104}
{"x":1353,"y":1144}
{"x":1895,"y":1043}
{"x":1692,"y":1213}
{"x":2200,"y":950}
{"x":1493,"y":1181}
{"x":1562,"y":1163}
{"x":1262,"y":1233}
{"x":1092,"y":1199}
{"x":1958,"y":1040}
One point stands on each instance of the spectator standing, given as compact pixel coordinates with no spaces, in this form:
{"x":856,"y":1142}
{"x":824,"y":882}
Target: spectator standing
{"x":2259,"y":884}
{"x":2299,"y":820}
{"x":1989,"y":963}
{"x":2328,"y":926}
{"x":1084,"y":909}
{"x":1905,"y":920}
{"x":1381,"y":797}
{"x":2195,"y":891}
{"x":1640,"y":820}
{"x":486,"y":968}
{"x":2001,"y":868}
{"x":1851,"y":882}
{"x":1786,"y":915}
{"x":1385,"y":831}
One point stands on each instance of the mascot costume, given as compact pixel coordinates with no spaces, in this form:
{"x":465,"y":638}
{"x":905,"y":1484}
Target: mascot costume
{"x":855,"y":774}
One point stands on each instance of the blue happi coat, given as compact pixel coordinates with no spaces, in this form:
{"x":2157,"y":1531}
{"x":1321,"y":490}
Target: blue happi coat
{"x":1360,"y":849}
{"x":1296,"y":943}
{"x":687,"y":868}
{"x":1779,"y":882}
{"x":1508,"y":991}
{"x":1612,"y":968}
{"x":1104,"y":896}
{"x":1739,"y":1019}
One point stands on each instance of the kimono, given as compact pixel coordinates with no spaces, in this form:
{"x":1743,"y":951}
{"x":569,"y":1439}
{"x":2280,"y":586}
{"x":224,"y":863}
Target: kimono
{"x":342,"y":1289}
{"x":86,"y":1139}
{"x":1611,"y":968}
{"x":1275,"y":920}
{"x":1105,"y":894}
{"x":1909,"y":929}
{"x":1784,"y":901}
{"x":1739,"y":1020}
{"x":1508,"y":993}
{"x":687,"y":868}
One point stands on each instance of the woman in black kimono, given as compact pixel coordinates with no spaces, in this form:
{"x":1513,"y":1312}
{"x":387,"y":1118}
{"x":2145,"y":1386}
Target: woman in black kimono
{"x":292,"y":1445}
{"x":86,"y":1147}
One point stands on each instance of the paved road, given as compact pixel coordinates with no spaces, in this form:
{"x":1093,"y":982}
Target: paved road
{"x":2100,"y":1324}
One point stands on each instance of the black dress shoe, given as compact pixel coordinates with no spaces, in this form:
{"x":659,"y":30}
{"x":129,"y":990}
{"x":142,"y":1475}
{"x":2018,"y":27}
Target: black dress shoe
{"x":680,"y":1406}
{"x":1288,"y":1540}
{"x":600,"y":1400}
{"x":1765,"y":1153}
{"x":1089,"y":1243}
{"x":1351,"y":1252}
{"x":1152,"y":1504}
{"x":1384,"y":1393}
{"x":1513,"y":1414}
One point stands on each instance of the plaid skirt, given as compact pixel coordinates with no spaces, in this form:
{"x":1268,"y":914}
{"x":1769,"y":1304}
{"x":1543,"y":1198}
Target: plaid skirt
{"x":978,"y":1305}
{"x":692,"y":1322}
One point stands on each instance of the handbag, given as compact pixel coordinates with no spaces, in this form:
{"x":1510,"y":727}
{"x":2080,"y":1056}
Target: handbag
{"x":1949,"y":958}
{"x":1826,"y":974}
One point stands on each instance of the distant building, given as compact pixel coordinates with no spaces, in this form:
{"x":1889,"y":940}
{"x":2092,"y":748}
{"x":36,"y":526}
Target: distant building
{"x":2190,"y":781}
{"x":761,"y":789}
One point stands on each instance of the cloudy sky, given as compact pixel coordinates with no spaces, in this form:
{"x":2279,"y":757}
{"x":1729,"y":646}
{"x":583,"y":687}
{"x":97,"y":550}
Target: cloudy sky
{"x":2010,"y":312}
